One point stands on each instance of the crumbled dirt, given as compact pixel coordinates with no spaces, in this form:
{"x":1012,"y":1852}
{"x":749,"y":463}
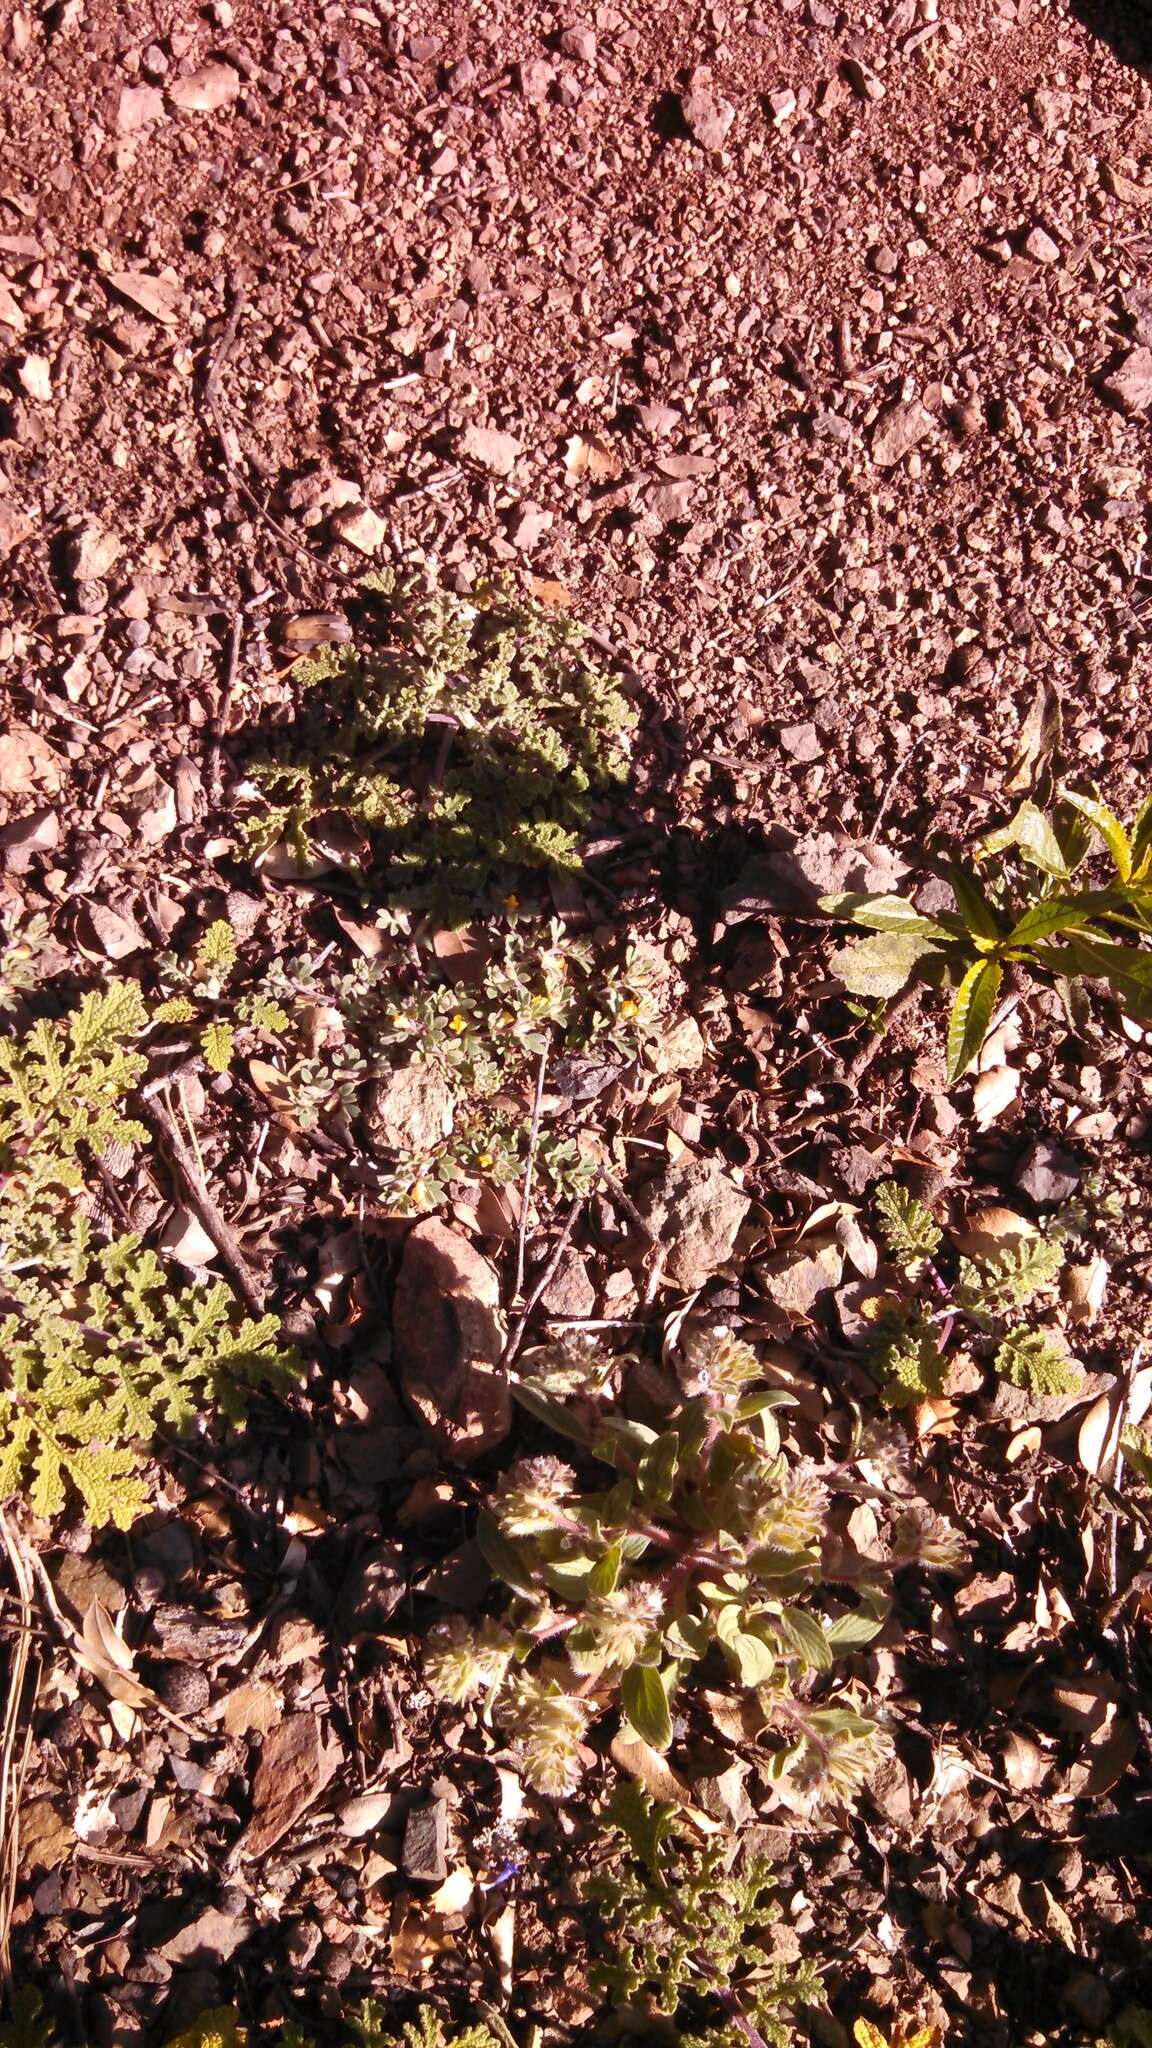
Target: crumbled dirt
{"x":806,"y":357}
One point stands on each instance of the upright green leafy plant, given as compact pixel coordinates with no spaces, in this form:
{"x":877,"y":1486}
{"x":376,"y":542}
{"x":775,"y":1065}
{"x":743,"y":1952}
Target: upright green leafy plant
{"x":1026,"y":914}
{"x":705,"y":1539}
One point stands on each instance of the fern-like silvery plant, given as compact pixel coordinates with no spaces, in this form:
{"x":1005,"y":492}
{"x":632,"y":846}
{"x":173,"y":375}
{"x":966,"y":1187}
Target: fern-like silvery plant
{"x":707,"y":1536}
{"x":680,"y":1925}
{"x":911,"y":1356}
{"x":98,"y":1355}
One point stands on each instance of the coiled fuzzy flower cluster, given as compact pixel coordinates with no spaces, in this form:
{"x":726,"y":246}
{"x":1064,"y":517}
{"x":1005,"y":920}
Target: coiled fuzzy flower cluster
{"x":529,"y":1499}
{"x":548,"y":1725}
{"x":923,"y":1537}
{"x":460,"y":1662}
{"x":714,"y":1362}
{"x":784,"y":1507}
{"x":616,"y":1629}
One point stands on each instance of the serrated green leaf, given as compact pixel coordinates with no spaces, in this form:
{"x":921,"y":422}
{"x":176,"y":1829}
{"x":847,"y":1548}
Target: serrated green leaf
{"x":1034,"y":834}
{"x":971,"y":1014}
{"x":501,"y":1555}
{"x":1107,"y":825}
{"x":887,"y":914}
{"x":218,"y":1043}
{"x":1142,"y":840}
{"x":645,"y":1702}
{"x":1059,"y":914}
{"x":978,"y":915}
{"x":880,"y":966}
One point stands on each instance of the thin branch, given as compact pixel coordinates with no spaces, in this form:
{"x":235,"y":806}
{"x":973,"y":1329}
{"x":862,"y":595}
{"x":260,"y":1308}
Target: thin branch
{"x":195,"y":1190}
{"x":223,"y":718}
{"x":529,"y":1170}
{"x":544,"y":1281}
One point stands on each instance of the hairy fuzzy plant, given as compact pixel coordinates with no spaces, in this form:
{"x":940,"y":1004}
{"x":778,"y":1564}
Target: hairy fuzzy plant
{"x":97,"y":1352}
{"x":916,"y":1323}
{"x":705,"y":1540}
{"x":21,"y":947}
{"x":1018,"y":910}
{"x":465,"y":736}
{"x":683,"y":1933}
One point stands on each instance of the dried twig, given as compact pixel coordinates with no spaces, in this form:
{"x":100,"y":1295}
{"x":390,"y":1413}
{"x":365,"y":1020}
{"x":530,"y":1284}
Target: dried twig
{"x":223,"y":718}
{"x":14,"y":1753}
{"x":627,"y":1206}
{"x":542,"y":1282}
{"x":219,"y":1229}
{"x":529,"y":1170}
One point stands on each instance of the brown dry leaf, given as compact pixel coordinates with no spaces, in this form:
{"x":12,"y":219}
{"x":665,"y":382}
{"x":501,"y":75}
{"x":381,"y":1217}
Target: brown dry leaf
{"x":1084,"y":1288}
{"x":295,"y":1766}
{"x":160,"y":297}
{"x":590,"y":457}
{"x":991,"y":1229}
{"x":502,"y":1938}
{"x":1025,"y":1764}
{"x":455,"y":1894}
{"x":274,"y":1087}
{"x":102,"y":930}
{"x":546,"y":590}
{"x":656,"y":1775}
{"x":1100,"y":1431}
{"x":416,"y":1943}
{"x":992,"y":1094}
{"x":361,"y":1815}
{"x":934,"y":1418}
{"x":100,"y":1650}
{"x":251,"y":1710}
{"x":1024,"y":1444}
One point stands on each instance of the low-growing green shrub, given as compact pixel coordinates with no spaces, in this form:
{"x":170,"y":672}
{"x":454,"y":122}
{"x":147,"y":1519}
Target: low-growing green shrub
{"x":917,"y":1319}
{"x":706,"y":1540}
{"x":465,"y":736}
{"x":683,"y":1930}
{"x":98,"y":1352}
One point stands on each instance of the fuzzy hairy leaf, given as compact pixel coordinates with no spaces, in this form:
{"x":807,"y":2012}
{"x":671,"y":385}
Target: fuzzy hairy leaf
{"x":907,"y":1226}
{"x":1009,"y":1277}
{"x":1028,"y":1358}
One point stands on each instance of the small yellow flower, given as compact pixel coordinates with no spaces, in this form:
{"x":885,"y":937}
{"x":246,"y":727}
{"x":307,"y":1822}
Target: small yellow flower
{"x":418,"y":1193}
{"x":485,"y":1159}
{"x":629,"y":1008}
{"x":511,"y":903}
{"x":458,"y":1022}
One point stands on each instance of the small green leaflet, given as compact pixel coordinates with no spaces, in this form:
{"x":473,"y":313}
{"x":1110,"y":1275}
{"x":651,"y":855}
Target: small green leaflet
{"x":645,"y":1702}
{"x":803,"y":1634}
{"x":886,"y":914}
{"x":881,"y":965}
{"x":502,"y":1557}
{"x":604,"y":1575}
{"x":754,"y":1659}
{"x":1107,"y":825}
{"x":853,"y":1631}
{"x":548,"y":1410}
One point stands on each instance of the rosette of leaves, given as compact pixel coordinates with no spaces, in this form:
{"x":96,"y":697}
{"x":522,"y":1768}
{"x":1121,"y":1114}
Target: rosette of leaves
{"x":705,"y":1539}
{"x":1018,"y":909}
{"x":684,"y":1932}
{"x":911,"y":1355}
{"x":464,"y":735}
